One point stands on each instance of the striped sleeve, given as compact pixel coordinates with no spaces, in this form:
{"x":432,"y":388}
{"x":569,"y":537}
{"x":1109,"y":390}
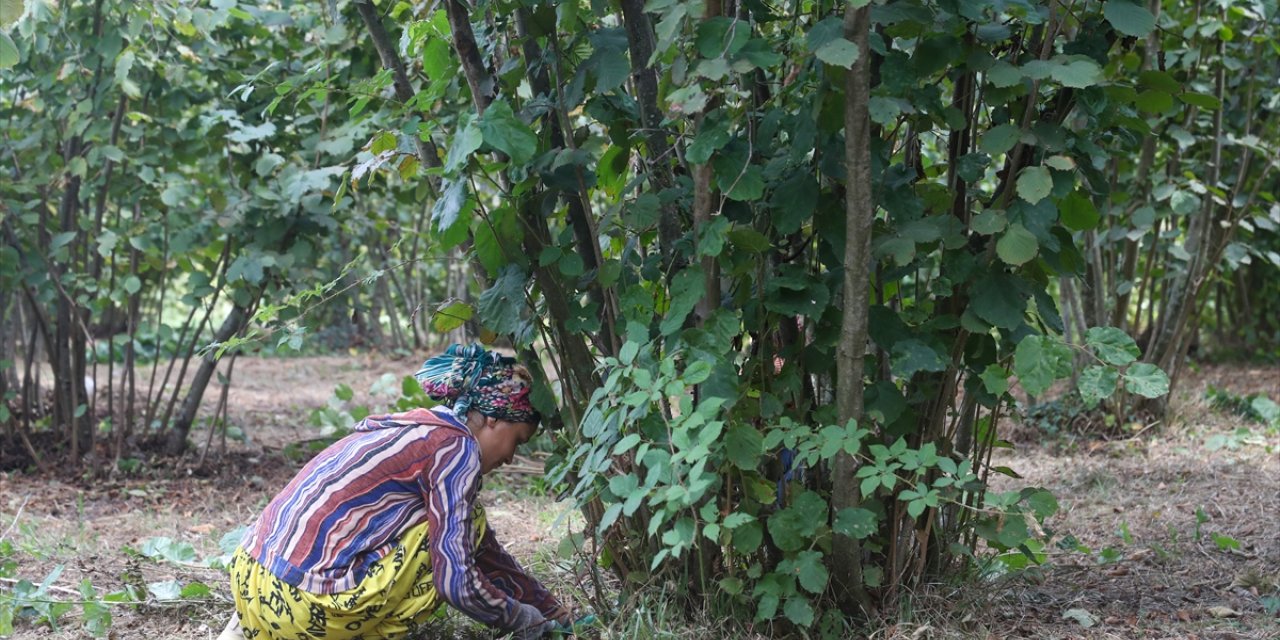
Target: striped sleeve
{"x":505,"y":572}
{"x":450,"y":486}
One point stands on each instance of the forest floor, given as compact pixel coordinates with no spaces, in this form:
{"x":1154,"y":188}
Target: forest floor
{"x":1172,"y":528}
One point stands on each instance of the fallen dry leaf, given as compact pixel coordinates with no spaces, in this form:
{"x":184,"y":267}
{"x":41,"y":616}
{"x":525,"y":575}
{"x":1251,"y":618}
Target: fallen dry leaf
{"x":1223,"y":612}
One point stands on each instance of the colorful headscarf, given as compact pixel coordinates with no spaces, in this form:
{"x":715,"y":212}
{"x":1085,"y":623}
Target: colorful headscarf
{"x":468,"y":377}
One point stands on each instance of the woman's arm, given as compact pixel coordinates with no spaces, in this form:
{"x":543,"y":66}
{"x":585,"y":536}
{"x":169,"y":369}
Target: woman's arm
{"x":507,"y":574}
{"x":450,"y":485}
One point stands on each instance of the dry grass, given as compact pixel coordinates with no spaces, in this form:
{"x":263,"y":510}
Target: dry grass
{"x":1162,"y":580}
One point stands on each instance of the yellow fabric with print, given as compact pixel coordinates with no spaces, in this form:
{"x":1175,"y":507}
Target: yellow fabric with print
{"x":396,"y":598}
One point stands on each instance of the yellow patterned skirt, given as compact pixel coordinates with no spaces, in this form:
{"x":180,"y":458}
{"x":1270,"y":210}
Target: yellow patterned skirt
{"x":396,"y":598}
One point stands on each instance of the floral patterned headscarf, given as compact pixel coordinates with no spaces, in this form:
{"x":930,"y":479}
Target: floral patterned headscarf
{"x":468,"y":377}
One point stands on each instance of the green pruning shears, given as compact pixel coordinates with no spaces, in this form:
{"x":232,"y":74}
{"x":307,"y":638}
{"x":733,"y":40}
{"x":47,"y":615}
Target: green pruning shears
{"x":581,"y":625}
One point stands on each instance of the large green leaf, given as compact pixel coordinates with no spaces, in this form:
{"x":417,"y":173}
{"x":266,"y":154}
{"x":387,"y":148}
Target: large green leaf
{"x":1034,"y":184}
{"x":1146,"y":380}
{"x":1096,"y":383}
{"x":855,"y":522}
{"x":999,"y":139}
{"x":505,"y":132}
{"x":1077,"y":72}
{"x":792,"y":527}
{"x":1000,"y":300}
{"x":810,"y":572}
{"x":1017,"y":246}
{"x":1039,"y":361}
{"x":743,"y":445}
{"x":1112,"y":345}
{"x":8,"y":51}
{"x":10,"y":12}
{"x":839,"y":52}
{"x":450,"y":316}
{"x":1078,"y":212}
{"x":444,"y":213}
{"x":502,"y":305}
{"x":912,"y":356}
{"x":712,"y":135}
{"x":793,"y":202}
{"x":1129,"y":18}
{"x":465,"y":142}
{"x":799,"y":611}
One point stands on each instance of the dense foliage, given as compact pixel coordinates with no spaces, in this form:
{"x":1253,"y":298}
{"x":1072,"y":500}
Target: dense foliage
{"x":788,"y":266}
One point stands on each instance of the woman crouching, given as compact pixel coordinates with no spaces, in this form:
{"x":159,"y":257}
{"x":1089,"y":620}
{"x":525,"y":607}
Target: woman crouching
{"x":380,"y":528}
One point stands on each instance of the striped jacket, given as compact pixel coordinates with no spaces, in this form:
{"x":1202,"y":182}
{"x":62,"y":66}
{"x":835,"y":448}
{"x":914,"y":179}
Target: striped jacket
{"x":346,"y":508}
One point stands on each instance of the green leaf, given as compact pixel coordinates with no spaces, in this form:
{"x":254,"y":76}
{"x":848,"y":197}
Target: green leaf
{"x":721,"y":36}
{"x":1034,"y":184}
{"x":792,"y":527}
{"x":444,"y":213}
{"x":1129,"y":18}
{"x":988,"y":222}
{"x":1004,"y":75}
{"x":999,"y":139}
{"x":344,"y":393}
{"x":502,"y":130}
{"x":465,"y":142}
{"x":747,"y":185}
{"x":436,"y":57}
{"x":162,"y":548}
{"x":1202,"y":100}
{"x":884,"y":110}
{"x":687,"y":288}
{"x":839,"y":52}
{"x":1078,"y":212}
{"x":195,"y":590}
{"x":998,"y":299}
{"x":1155,"y":102}
{"x":10,"y":12}
{"x":810,"y":571}
{"x":855,"y":522}
{"x":1097,"y":383}
{"x":1034,"y":365}
{"x":1146,"y":380}
{"x":1017,"y":246}
{"x":8,"y":52}
{"x":132,"y":284}
{"x":501,"y":306}
{"x":912,"y":356}
{"x":799,"y":611}
{"x":713,"y":135}
{"x":743,"y":445}
{"x":995,"y":379}
{"x":165,"y":590}
{"x":793,"y":202}
{"x":267,"y":163}
{"x":1112,"y":345}
{"x":1079,"y":72}
{"x":450,"y":316}
{"x":97,"y":616}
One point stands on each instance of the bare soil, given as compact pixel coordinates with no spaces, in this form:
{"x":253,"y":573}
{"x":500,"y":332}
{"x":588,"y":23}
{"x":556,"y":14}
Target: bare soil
{"x":1160,"y":512}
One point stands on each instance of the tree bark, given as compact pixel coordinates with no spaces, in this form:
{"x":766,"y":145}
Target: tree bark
{"x":640,"y":43}
{"x":846,"y":560}
{"x":232,"y":325}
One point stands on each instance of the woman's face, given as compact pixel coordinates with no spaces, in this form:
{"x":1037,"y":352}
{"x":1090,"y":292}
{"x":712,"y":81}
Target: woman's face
{"x":498,"y":440}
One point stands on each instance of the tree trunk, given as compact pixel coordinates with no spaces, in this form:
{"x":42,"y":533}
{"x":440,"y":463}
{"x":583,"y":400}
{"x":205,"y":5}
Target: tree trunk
{"x":232,"y":325}
{"x":846,"y":557}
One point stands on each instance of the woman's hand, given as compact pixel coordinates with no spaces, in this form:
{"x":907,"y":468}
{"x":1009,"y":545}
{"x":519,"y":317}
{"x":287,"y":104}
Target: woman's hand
{"x":562,"y":615}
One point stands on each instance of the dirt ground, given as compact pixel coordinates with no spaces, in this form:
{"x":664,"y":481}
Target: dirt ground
{"x":1174,"y":528}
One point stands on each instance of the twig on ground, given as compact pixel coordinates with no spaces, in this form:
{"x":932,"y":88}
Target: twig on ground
{"x":13,"y":524}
